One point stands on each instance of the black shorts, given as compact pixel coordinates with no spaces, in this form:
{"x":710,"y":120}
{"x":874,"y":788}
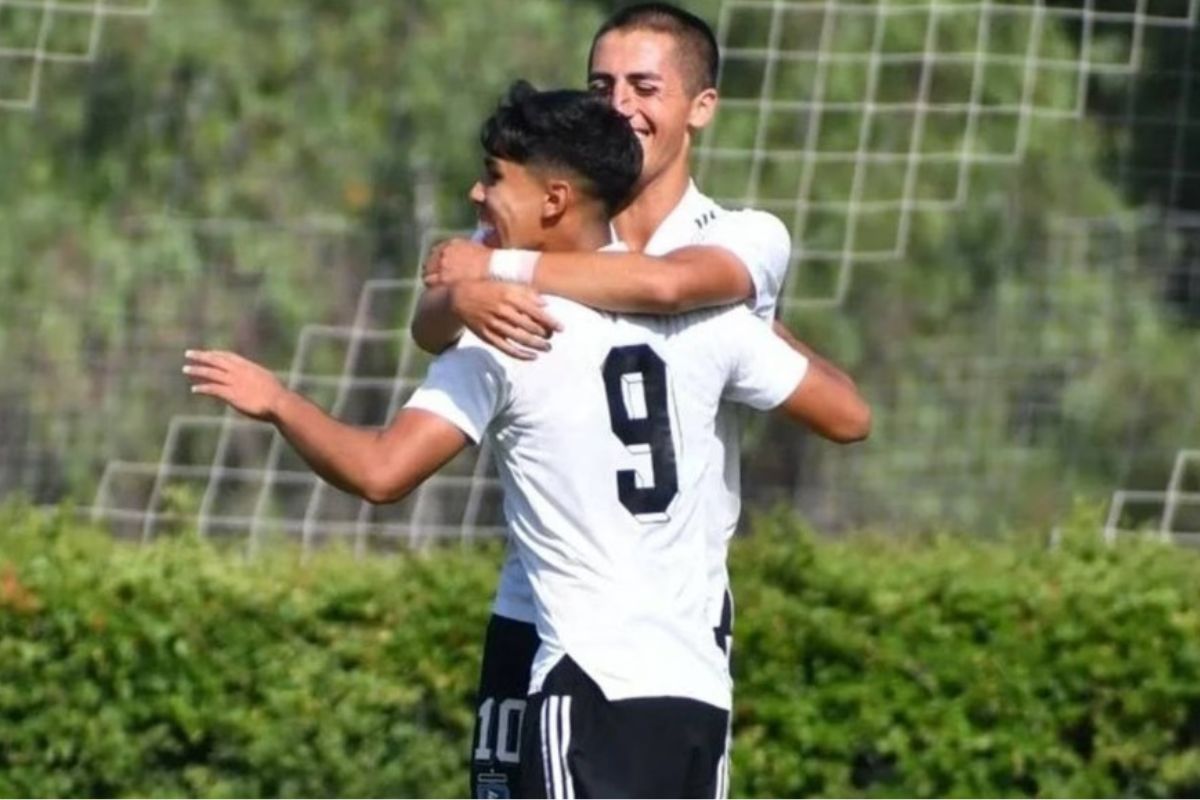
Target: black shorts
{"x":500,"y":704}
{"x":577,"y":743}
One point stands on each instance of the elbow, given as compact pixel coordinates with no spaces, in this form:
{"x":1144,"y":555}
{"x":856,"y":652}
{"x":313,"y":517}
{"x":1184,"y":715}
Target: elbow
{"x":375,"y":495}
{"x":417,"y":332}
{"x":374,"y":491}
{"x":434,"y":327}
{"x":855,"y":426}
{"x":423,"y":337}
{"x":380,"y":489}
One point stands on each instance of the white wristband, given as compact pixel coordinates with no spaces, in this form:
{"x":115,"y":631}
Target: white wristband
{"x":514,"y":266}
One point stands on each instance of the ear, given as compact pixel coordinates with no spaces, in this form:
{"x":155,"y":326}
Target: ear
{"x":557,"y":198}
{"x":704,"y":107}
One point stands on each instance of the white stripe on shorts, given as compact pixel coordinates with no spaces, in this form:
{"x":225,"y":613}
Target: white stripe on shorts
{"x":556,"y":779}
{"x":546,"y":749}
{"x":566,"y":744}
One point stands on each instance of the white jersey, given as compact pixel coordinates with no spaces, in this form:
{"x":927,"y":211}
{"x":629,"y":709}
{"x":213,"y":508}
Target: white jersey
{"x":606,"y":450}
{"x":762,"y":243}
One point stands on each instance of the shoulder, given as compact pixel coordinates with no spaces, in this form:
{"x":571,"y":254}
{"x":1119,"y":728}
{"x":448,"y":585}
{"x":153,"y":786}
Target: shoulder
{"x":563,"y":305}
{"x":470,"y":353}
{"x":701,"y":210}
{"x":745,"y":223}
{"x":574,"y":315}
{"x":707,"y":214}
{"x":723,"y":323}
{"x":712,"y":341}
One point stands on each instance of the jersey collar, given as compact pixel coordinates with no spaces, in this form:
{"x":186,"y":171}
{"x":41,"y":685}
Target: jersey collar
{"x":668,"y":232}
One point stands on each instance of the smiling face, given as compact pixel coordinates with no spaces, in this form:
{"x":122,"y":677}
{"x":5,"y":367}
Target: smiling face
{"x":641,"y":74}
{"x":511,"y":201}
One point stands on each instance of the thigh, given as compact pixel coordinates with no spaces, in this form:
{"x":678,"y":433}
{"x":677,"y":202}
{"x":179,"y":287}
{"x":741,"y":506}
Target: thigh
{"x":576,"y":743}
{"x":666,"y":747}
{"x":500,"y":706}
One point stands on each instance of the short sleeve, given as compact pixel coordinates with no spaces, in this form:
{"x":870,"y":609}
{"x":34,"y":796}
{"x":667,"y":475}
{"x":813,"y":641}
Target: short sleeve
{"x":466,"y":386}
{"x":762,"y":243}
{"x":765,"y":370}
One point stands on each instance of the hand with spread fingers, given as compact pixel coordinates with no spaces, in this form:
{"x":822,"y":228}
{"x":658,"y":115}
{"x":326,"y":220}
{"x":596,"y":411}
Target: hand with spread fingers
{"x":244,"y":385}
{"x":510,"y":317}
{"x":454,"y":261}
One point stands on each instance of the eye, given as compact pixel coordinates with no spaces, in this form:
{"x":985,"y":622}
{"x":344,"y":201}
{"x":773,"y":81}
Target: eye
{"x":600,"y":88}
{"x":645,"y":89}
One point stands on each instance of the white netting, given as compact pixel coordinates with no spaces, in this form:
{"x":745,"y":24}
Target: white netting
{"x":975,"y":424}
{"x":231,"y":476}
{"x":808,"y":130}
{"x":1172,"y":514}
{"x":976,"y":430}
{"x":34,"y":33}
{"x":979,"y":427}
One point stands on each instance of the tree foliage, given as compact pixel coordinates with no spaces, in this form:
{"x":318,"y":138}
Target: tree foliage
{"x":228,"y":172}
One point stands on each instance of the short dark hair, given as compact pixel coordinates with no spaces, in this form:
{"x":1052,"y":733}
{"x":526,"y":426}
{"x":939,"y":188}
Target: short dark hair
{"x":693,"y":37}
{"x":571,"y":130}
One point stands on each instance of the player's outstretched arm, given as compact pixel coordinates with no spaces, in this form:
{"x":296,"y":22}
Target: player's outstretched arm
{"x":380,"y":466}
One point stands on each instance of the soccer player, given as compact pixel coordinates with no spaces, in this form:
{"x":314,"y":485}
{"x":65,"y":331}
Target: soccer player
{"x":603,"y":446}
{"x":657,"y":65}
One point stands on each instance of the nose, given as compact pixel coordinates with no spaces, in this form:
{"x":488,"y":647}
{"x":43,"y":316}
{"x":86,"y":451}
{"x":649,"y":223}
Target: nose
{"x":622,"y":100}
{"x":476,"y":193}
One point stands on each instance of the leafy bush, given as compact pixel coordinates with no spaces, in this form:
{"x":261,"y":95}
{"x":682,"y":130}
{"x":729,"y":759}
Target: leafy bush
{"x":955,"y":666}
{"x":865,"y":666}
{"x":176,"y":669}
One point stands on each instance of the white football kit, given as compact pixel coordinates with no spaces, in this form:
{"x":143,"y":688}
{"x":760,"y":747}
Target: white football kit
{"x":607,"y":450}
{"x":762,"y":243}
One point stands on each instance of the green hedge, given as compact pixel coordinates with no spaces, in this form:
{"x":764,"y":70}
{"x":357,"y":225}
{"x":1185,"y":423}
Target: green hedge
{"x":177,"y":670}
{"x":868,"y":666}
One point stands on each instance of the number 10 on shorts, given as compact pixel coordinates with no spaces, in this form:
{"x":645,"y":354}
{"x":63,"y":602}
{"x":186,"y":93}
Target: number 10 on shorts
{"x":500,"y":732}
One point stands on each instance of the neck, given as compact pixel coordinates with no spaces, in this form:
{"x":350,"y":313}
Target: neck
{"x":652,"y":204}
{"x":577,"y":235}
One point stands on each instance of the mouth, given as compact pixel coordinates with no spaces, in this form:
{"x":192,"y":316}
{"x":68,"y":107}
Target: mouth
{"x":486,"y":234}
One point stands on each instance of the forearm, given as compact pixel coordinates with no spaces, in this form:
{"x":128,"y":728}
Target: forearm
{"x":342,"y":454}
{"x":435,"y":326}
{"x":625,"y":283}
{"x":684,"y":280}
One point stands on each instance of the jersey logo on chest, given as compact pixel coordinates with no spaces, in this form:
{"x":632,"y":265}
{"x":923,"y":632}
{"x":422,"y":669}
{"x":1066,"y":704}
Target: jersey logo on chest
{"x":704,"y":219}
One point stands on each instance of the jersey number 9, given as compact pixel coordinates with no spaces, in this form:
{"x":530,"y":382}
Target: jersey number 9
{"x":651,"y":431}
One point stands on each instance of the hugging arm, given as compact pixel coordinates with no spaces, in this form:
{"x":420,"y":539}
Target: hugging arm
{"x":509,"y":316}
{"x":682,"y":280}
{"x":735,"y":257}
{"x":774,"y":371}
{"x":827,"y":400}
{"x":828,"y":405}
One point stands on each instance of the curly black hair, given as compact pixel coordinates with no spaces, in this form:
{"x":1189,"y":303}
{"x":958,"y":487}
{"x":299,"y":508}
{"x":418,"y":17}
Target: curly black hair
{"x":568,"y":130}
